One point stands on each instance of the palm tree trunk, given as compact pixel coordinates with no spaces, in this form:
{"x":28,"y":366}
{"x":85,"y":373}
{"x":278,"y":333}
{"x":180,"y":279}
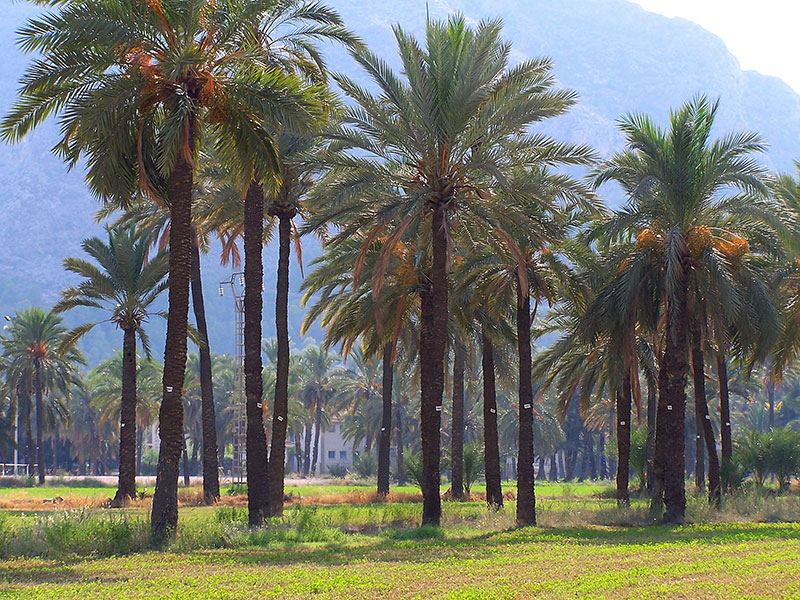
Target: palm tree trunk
{"x":669,"y":459}
{"x":554,"y":467}
{"x":298,"y":453}
{"x":623,"y":440}
{"x":280,"y":411}
{"x":699,"y":453}
{"x":457,"y":434}
{"x":307,"y":452}
{"x":652,"y":402}
{"x":724,"y":407}
{"x":257,"y":485}
{"x":317,"y":431}
{"x":432,"y":347}
{"x":494,"y":491}
{"x":164,"y":515}
{"x":526,"y":494}
{"x":186,"y":480}
{"x":209,"y":422}
{"x":31,"y":450}
{"x":401,"y":470}
{"x":127,"y":428}
{"x":385,"y":438}
{"x":704,"y":418}
{"x":39,"y":420}
{"x":139,"y":443}
{"x":771,"y":399}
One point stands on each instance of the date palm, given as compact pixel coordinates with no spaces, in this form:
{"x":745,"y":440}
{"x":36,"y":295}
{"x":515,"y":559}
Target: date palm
{"x":40,"y":360}
{"x":138,"y":86}
{"x":694,"y":208}
{"x":120,"y":280}
{"x":432,"y":144}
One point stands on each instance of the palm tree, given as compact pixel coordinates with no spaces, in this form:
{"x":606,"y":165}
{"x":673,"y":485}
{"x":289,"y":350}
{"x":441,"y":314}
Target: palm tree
{"x":106,"y":381}
{"x":432,"y":144}
{"x":138,"y":85}
{"x":39,"y":360}
{"x":121,"y":281}
{"x":689,"y":198}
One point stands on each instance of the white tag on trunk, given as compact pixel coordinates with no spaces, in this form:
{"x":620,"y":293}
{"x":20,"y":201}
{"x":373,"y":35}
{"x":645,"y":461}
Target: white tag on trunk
{"x":259,"y":405}
{"x":383,"y":428}
{"x":708,"y":417}
{"x":491,"y":410}
{"x":169,"y":388}
{"x":280,"y":418}
{"x":526,"y":405}
{"x":438,"y":409}
{"x":698,"y":437}
{"x":669,"y":406}
{"x":622,"y":422}
{"x":727,"y":423}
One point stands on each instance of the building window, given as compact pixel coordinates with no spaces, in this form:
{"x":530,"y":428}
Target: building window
{"x":343,"y":454}
{"x":331,"y":453}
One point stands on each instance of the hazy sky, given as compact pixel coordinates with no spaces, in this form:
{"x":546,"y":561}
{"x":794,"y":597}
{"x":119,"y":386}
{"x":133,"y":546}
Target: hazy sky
{"x":763,"y":34}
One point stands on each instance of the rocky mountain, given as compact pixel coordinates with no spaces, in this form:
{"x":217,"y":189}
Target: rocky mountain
{"x":617,"y":56}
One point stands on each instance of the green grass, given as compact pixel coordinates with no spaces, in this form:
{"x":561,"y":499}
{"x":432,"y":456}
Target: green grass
{"x":458,"y":562}
{"x":586,"y":547}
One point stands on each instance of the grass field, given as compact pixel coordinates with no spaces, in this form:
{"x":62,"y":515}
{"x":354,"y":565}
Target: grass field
{"x":586,"y":547}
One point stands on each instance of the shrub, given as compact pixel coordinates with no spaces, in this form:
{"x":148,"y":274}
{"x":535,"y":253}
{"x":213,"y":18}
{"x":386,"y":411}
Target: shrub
{"x":364,"y":465}
{"x":413,"y":466}
{"x":473,"y":465}
{"x":783,"y":456}
{"x":338,"y":471}
{"x":638,"y":457}
{"x":775,"y":453}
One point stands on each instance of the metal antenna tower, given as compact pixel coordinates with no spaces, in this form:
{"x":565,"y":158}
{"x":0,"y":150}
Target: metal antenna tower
{"x":236,"y":285}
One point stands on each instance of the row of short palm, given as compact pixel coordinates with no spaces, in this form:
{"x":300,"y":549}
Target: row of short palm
{"x":447,"y":220}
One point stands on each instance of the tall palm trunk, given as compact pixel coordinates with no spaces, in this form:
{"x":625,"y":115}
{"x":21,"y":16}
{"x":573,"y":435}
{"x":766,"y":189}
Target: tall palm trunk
{"x":280,"y":410}
{"x":652,"y":400}
{"x":39,"y":419}
{"x":401,"y":470}
{"x":307,"y":452}
{"x":771,"y":400}
{"x":724,"y":407}
{"x":127,"y":427}
{"x":526,"y":494}
{"x":139,"y":443}
{"x":257,"y":486}
{"x":457,"y":434}
{"x":669,"y":460}
{"x":298,"y":450}
{"x":494,"y":491}
{"x":209,"y":418}
{"x":317,"y":432}
{"x":699,"y":452}
{"x":164,"y":515}
{"x":432,"y":347}
{"x":705,"y":429}
{"x":385,"y":438}
{"x":623,"y":440}
{"x":186,"y":480}
{"x":31,"y":450}
{"x":554,"y":468}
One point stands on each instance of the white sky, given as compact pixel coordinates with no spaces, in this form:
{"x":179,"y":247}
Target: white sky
{"x":763,"y":34}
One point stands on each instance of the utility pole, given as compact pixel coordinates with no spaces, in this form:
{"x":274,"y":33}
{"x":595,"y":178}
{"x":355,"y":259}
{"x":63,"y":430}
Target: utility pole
{"x":236,"y":286}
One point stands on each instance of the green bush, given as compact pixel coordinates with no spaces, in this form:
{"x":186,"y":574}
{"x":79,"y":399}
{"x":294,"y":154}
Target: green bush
{"x":473,"y":465}
{"x":364,"y":465}
{"x":413,"y":466}
{"x":775,"y":453}
{"x":638,"y":458}
{"x":338,"y":471}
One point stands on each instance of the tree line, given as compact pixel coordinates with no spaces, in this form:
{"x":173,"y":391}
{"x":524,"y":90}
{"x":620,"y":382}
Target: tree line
{"x":449,"y":223}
